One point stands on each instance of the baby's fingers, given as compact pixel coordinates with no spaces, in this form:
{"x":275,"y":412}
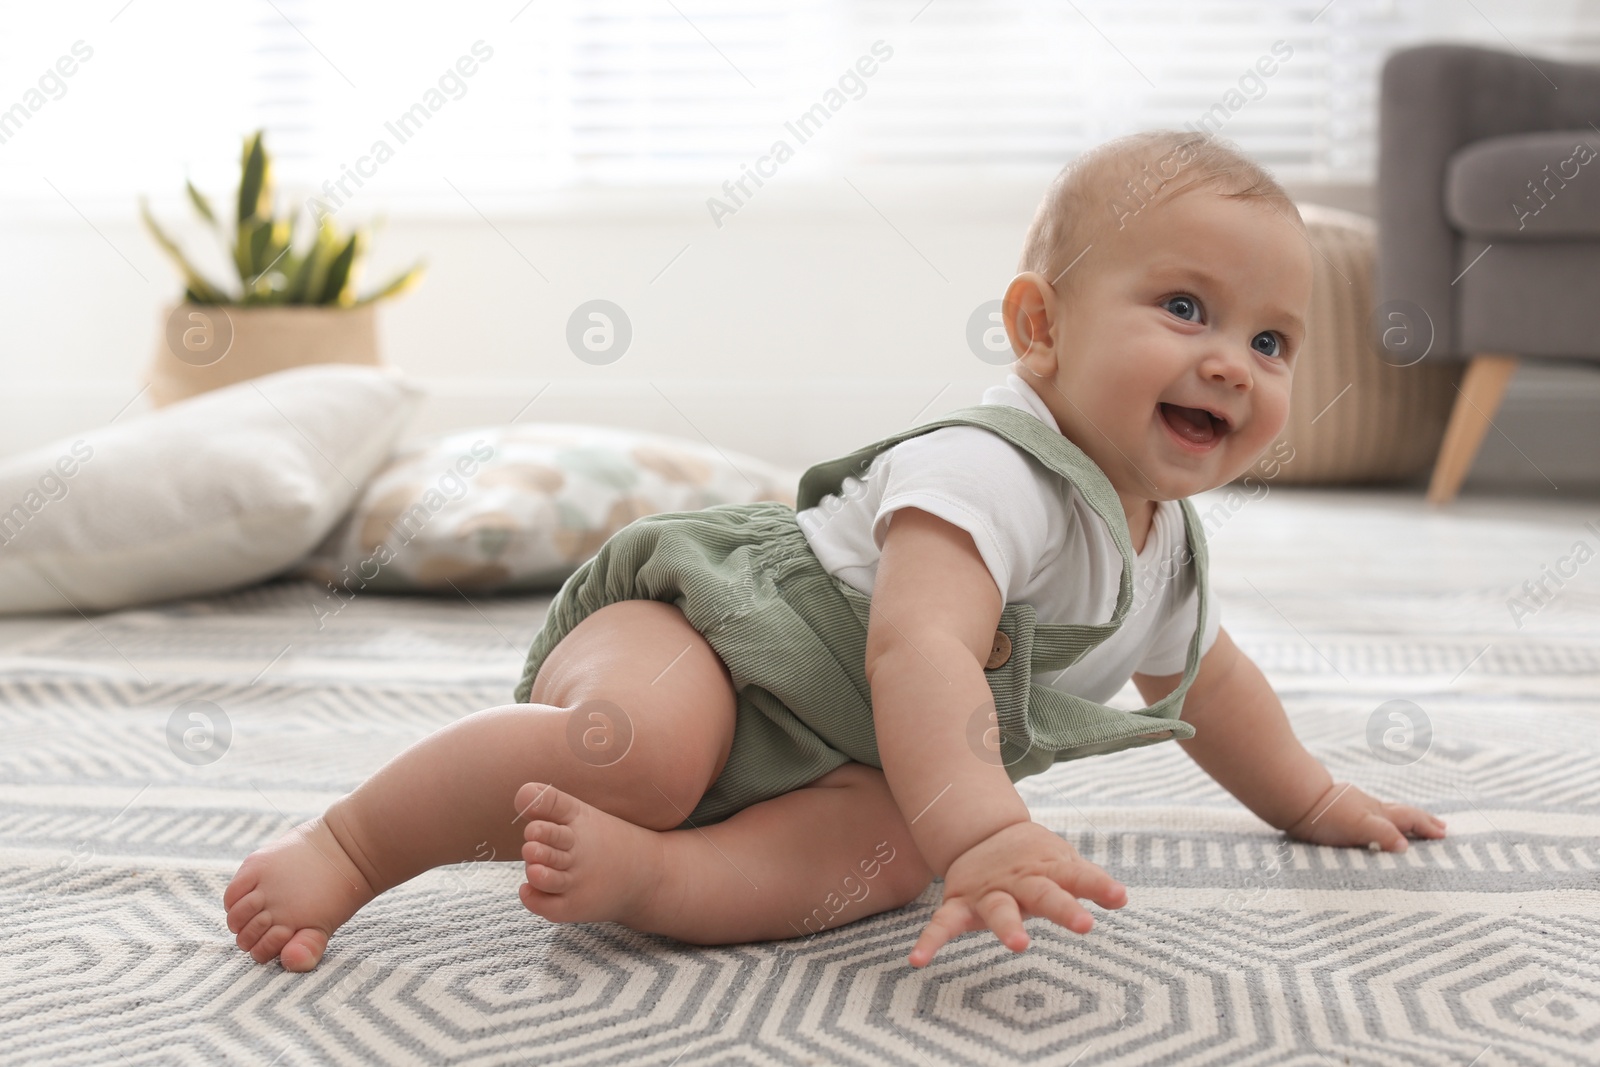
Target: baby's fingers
{"x":1002,"y":915}
{"x":1092,"y":883}
{"x":1061,"y":907}
{"x":1414,"y":820}
{"x":1378,"y":832}
{"x":952,"y":919}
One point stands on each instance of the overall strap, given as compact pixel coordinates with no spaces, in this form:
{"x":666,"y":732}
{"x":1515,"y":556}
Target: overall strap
{"x":1055,"y":647}
{"x":1027,"y":432}
{"x":1061,"y":725}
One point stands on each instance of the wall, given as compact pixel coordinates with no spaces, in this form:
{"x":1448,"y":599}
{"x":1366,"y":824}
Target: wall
{"x":809,"y":323}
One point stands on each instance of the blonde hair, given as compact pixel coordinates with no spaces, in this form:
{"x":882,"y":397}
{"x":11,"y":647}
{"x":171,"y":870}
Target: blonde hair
{"x":1101,"y":190}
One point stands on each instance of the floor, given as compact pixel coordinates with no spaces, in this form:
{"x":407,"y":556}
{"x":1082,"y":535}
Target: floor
{"x":1236,"y":947}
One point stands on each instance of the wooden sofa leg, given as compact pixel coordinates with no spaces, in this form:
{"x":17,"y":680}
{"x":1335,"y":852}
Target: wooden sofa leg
{"x":1481,"y":391}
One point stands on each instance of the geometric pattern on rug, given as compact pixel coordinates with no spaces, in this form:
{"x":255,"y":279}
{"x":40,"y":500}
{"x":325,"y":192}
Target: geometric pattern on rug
{"x":1236,"y":947}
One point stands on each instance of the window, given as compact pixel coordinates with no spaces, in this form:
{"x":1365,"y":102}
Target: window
{"x":463,"y":107}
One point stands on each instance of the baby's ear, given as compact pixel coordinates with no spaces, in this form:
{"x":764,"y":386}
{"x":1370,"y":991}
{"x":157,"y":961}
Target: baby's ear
{"x":1029,"y":310}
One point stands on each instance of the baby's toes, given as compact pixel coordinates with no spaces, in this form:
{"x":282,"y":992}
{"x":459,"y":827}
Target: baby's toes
{"x":538,"y":800}
{"x":546,"y":854}
{"x":552,"y":906}
{"x":541,"y":800}
{"x":555,"y":834}
{"x":271,"y":943}
{"x":243,"y":884}
{"x":304,"y":950}
{"x":547,"y":879}
{"x":251,"y":931}
{"x":546,"y":864}
{"x":242,"y":911}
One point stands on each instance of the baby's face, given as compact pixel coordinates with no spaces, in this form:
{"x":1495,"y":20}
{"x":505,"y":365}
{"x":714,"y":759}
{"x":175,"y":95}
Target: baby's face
{"x":1198,"y":302}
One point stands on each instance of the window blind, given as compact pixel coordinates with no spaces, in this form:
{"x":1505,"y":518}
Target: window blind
{"x":371,"y":104}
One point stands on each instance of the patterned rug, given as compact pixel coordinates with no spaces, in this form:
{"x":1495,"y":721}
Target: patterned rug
{"x":120,"y":826}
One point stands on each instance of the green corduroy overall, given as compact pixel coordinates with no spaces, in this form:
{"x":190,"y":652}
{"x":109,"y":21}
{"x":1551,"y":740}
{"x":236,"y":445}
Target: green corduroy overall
{"x":794,"y":637}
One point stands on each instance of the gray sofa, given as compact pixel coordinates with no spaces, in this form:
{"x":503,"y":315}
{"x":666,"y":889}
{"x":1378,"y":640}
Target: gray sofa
{"x":1488,"y":223}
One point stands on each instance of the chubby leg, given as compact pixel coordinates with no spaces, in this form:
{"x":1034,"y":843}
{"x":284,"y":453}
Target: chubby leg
{"x":820,"y":856}
{"x":632,"y":679}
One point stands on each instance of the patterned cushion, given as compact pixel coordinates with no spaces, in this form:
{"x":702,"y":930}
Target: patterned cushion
{"x":521,"y":507}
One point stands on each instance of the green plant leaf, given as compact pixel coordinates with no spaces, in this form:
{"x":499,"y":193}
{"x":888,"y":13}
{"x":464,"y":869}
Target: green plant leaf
{"x":339,"y":286}
{"x":274,"y":263}
{"x":300,"y":276}
{"x":307,"y":288}
{"x":261,"y":247}
{"x":268,"y":244}
{"x":193,"y":279}
{"x":201,"y":204}
{"x":288,"y":241}
{"x":403,"y":282}
{"x":240,"y":252}
{"x":243,"y":252}
{"x":254,"y":181}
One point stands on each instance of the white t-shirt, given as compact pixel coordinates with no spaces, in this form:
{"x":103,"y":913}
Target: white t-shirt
{"x":1039,"y":538}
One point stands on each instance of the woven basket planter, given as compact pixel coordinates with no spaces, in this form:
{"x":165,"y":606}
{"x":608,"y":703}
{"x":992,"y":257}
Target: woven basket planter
{"x":1389,"y":421}
{"x":205,"y":347}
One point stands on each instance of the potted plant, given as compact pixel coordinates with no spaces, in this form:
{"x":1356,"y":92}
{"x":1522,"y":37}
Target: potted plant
{"x":290,"y":306}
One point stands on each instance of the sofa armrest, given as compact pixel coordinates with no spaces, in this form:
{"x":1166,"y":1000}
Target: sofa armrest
{"x":1527,"y":187}
{"x":1433,"y":100}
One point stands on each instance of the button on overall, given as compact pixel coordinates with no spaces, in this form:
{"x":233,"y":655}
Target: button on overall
{"x":1000,"y":653}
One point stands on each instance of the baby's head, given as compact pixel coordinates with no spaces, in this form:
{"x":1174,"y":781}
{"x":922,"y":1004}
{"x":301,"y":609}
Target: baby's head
{"x":1163,"y":270}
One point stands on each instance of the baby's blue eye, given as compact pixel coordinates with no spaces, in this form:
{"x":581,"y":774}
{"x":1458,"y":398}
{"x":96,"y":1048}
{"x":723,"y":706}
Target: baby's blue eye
{"x":1182,"y":306}
{"x":1267,"y":343}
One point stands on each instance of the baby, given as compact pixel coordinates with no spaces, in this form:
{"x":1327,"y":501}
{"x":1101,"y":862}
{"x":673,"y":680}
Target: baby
{"x":744,"y":724}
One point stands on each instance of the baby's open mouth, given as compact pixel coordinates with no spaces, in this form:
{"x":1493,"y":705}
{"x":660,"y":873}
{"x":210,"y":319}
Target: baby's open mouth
{"x":1193,"y":424}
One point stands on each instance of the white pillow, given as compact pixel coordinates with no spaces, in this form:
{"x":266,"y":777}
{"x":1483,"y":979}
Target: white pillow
{"x":214,"y":492}
{"x":518,"y":508}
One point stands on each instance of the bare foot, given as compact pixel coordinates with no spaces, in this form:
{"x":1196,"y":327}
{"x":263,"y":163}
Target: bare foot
{"x":288,"y":898}
{"x":587,"y":865}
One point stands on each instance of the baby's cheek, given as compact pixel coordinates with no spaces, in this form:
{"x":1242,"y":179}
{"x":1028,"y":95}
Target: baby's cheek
{"x":1271,"y":416}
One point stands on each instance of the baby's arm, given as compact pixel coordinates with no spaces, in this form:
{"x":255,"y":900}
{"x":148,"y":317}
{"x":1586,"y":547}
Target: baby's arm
{"x":1244,"y":741}
{"x":935,"y":607}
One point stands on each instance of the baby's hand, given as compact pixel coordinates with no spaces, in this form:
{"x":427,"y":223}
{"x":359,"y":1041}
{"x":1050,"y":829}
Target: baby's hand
{"x":1023,"y":866}
{"x":1344,"y":815}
